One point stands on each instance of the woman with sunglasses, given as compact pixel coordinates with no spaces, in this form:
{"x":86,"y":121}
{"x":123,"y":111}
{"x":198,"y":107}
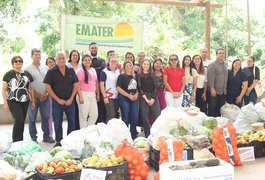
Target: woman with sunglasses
{"x":174,"y":80}
{"x":17,"y":91}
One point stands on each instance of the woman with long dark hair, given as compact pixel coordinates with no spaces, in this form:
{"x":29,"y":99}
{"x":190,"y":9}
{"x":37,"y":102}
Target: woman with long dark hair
{"x":128,"y":97}
{"x":191,"y":77}
{"x":253,"y":75}
{"x":88,"y":93}
{"x":73,"y":62}
{"x":237,"y":84}
{"x":197,"y":64}
{"x":148,"y":99}
{"x":50,"y":62}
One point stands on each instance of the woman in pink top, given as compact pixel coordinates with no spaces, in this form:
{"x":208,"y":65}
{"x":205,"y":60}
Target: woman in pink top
{"x":88,"y":93}
{"x":174,"y":81}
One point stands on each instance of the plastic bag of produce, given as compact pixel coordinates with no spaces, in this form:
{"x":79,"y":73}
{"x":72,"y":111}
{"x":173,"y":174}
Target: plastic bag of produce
{"x":260,"y":109}
{"x":225,"y":144}
{"x":142,"y":145}
{"x":168,"y":119}
{"x":230,"y":111}
{"x":37,"y":158}
{"x":116,"y":131}
{"x":24,"y":147}
{"x":74,"y":142}
{"x":245,"y":118}
{"x":5,"y":141}
{"x":8,"y":172}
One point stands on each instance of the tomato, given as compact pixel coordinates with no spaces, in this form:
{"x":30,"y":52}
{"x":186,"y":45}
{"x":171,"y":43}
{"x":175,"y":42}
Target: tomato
{"x":138,"y":178}
{"x":57,"y":170}
{"x":40,"y":167}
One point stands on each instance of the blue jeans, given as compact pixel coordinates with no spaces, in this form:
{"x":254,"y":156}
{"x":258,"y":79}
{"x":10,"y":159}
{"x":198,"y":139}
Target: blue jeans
{"x":130,"y":112}
{"x":215,"y":104}
{"x":44,"y":107}
{"x":251,"y":98}
{"x":57,"y":114}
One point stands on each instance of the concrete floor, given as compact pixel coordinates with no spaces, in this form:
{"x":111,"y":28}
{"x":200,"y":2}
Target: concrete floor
{"x":250,"y":170}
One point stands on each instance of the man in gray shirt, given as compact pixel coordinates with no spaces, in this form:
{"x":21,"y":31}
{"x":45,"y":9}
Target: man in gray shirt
{"x":217,"y":75}
{"x":38,"y":72}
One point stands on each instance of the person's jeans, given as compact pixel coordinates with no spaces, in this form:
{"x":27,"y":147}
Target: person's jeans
{"x":111,"y":109}
{"x":215,"y":104}
{"x":129,"y":111}
{"x":44,"y":107}
{"x":145,"y":110}
{"x":57,"y":113}
{"x":251,"y":98}
{"x":19,"y":113}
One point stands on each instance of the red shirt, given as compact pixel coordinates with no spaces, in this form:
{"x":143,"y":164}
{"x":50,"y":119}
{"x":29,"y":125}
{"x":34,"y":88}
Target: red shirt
{"x":174,"y":78}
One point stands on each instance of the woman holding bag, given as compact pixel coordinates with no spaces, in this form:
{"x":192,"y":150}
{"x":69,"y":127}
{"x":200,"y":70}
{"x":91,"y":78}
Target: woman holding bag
{"x":253,"y":75}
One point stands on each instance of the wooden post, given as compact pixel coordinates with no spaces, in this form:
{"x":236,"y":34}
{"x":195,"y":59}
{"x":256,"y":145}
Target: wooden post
{"x":208,"y":27}
{"x":249,"y":45}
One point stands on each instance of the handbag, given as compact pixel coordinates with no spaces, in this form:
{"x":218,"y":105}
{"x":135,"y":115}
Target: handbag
{"x":258,"y":88}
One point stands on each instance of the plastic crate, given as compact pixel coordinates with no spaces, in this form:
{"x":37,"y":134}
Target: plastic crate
{"x":155,"y":157}
{"x":118,"y":172}
{"x":65,"y":176}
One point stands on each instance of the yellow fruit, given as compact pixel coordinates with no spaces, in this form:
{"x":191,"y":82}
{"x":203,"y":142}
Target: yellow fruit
{"x":85,"y":161}
{"x":109,"y":164}
{"x":98,"y":165}
{"x":120,"y":159}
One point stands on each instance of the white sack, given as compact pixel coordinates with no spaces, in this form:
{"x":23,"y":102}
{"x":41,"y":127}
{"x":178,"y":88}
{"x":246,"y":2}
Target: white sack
{"x":230,"y":111}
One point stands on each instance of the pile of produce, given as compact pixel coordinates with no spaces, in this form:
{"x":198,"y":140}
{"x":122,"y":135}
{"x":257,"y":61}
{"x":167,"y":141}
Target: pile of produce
{"x":137,"y":168}
{"x":177,"y":149}
{"x":98,"y":162}
{"x":20,"y":153}
{"x":59,"y":167}
{"x":250,"y":135}
{"x":197,"y":164}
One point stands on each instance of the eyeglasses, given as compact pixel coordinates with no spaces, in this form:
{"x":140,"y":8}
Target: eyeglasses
{"x":114,"y":61}
{"x":18,"y":61}
{"x":173,"y":59}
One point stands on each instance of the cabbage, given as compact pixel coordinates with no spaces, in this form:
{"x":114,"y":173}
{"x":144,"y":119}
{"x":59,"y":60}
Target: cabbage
{"x":56,"y":150}
{"x":210,"y":122}
{"x":64,"y":154}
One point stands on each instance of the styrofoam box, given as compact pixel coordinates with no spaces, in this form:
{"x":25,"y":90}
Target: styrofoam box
{"x":224,"y":171}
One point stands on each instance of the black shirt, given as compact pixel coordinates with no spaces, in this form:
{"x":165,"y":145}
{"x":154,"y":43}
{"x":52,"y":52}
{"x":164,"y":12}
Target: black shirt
{"x":61,"y":85}
{"x":234,"y":85}
{"x":250,"y":75}
{"x":98,"y":64}
{"x":18,"y":85}
{"x":147,"y":85}
{"x":128,"y":83}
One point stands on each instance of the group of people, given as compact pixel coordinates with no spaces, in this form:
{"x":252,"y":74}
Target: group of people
{"x":96,"y":91}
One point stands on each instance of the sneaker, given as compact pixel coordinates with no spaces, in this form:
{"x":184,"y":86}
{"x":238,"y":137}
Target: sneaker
{"x":57,"y":144}
{"x":49,"y":140}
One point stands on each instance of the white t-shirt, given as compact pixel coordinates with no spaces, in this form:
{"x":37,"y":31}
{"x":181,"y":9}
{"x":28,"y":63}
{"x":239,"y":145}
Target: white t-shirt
{"x":38,"y":74}
{"x":188,"y":77}
{"x":202,"y":78}
{"x":206,"y":63}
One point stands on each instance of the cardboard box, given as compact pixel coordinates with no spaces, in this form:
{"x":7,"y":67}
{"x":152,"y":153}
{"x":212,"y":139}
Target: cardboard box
{"x":224,"y":171}
{"x":246,"y":154}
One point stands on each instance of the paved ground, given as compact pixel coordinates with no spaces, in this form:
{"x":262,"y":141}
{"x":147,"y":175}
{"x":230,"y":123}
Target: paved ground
{"x":251,"y":170}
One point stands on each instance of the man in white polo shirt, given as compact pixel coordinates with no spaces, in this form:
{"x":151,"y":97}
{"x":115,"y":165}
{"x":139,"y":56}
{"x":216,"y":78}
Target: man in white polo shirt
{"x":38,"y":72}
